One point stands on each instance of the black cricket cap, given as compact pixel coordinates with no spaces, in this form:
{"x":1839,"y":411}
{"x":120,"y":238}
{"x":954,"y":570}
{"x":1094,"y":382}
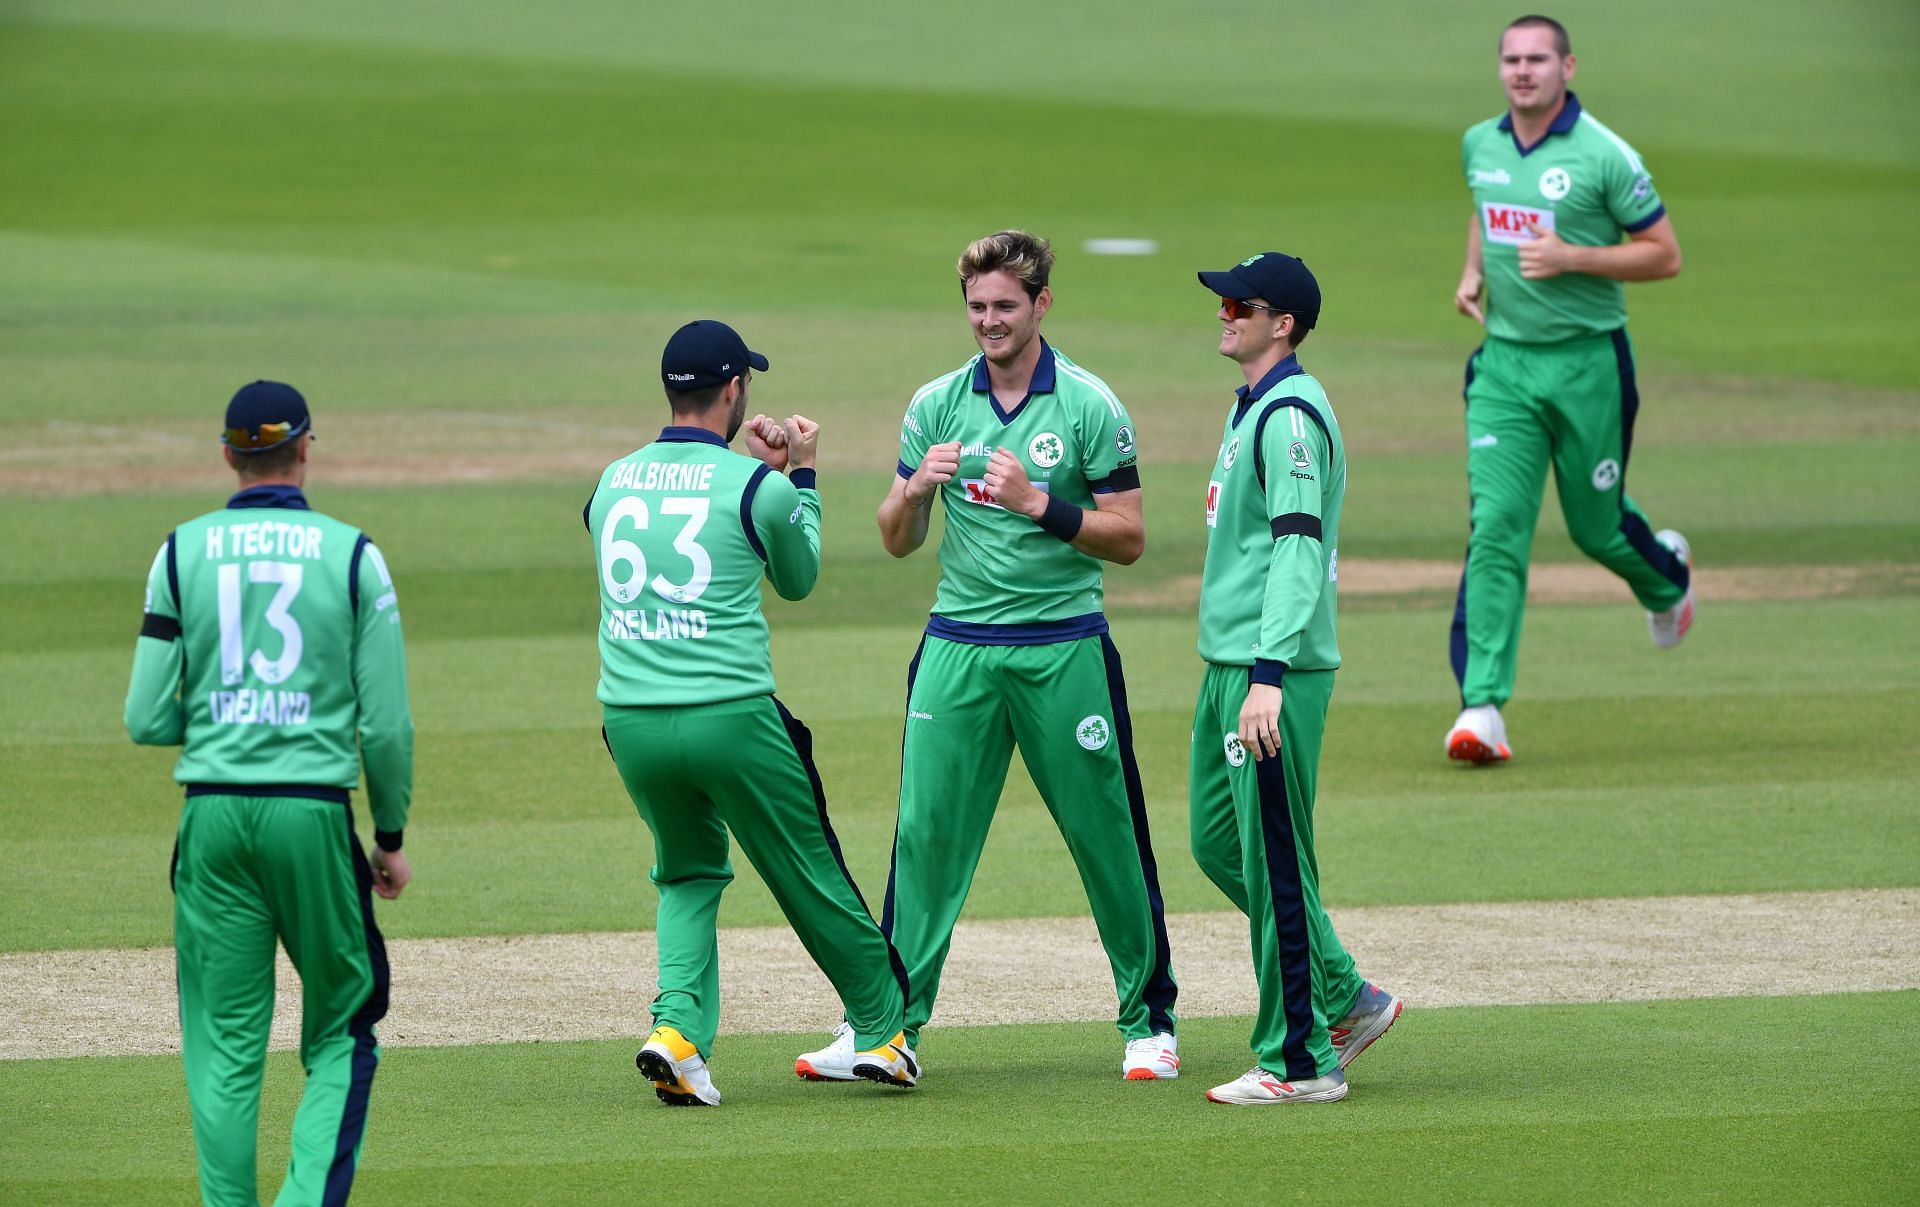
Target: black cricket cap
{"x":264,"y":415}
{"x":705,"y":353}
{"x":1282,"y":280}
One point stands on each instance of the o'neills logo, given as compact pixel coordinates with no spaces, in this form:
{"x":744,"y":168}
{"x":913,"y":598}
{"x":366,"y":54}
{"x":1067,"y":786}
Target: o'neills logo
{"x":679,"y":377}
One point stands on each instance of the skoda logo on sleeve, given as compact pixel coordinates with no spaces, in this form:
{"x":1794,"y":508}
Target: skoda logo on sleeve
{"x":1046,"y":449}
{"x":1555,"y":184}
{"x":1093,"y":733}
{"x":1123,"y":440}
{"x":1299,"y":454}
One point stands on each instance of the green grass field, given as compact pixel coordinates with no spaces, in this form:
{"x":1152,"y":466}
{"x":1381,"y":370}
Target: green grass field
{"x":465,"y":230}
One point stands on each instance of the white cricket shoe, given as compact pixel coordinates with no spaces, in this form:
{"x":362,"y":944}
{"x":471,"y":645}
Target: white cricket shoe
{"x":1257,"y":1087}
{"x":1369,"y":1019}
{"x":833,"y":1062}
{"x":674,"y":1066}
{"x":1670,"y":627}
{"x":1155,"y":1058}
{"x":1479,"y":736}
{"x":891,"y":1063}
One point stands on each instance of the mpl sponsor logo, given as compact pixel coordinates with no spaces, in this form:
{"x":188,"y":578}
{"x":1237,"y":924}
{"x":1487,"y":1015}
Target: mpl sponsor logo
{"x":1504,"y":223}
{"x":976,"y":491}
{"x":1213,"y":502}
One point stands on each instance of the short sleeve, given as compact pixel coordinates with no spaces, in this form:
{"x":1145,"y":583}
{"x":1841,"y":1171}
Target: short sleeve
{"x":1108,"y":451}
{"x":916,"y":433}
{"x":1631,"y":198}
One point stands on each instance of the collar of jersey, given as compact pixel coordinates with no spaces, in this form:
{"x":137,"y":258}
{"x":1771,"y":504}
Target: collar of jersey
{"x":1042,"y":383}
{"x":1248,"y":395}
{"x":1561,"y":125}
{"x":690,"y":435}
{"x":287,"y":498}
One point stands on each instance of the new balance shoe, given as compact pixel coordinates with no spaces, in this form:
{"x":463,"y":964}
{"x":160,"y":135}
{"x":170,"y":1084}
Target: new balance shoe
{"x":1368,"y":1021}
{"x":833,"y":1062}
{"x":891,"y":1063}
{"x":1155,"y":1058}
{"x":1479,"y":736}
{"x":674,"y":1066}
{"x":1670,"y":627}
{"x":1257,"y":1087}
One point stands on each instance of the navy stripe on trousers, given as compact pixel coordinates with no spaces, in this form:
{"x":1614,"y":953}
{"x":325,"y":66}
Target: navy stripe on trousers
{"x":893,"y":857}
{"x":353,"y":1117}
{"x":1457,"y":644}
{"x":802,"y":739}
{"x":1632,"y":526}
{"x":1160,"y":990}
{"x":1289,"y":918}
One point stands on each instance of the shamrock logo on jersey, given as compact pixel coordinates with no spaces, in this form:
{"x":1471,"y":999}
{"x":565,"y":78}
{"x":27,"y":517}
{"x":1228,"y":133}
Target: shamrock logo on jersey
{"x":1093,"y":733}
{"x":1236,"y":753}
{"x":1046,"y":449}
{"x":1231,"y":454}
{"x":1606,"y":474}
{"x":1555,"y":184}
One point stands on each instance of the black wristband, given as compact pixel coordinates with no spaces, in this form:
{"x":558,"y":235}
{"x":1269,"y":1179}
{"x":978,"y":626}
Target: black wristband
{"x":388,"y":840}
{"x":804,"y":479}
{"x":1061,"y":518}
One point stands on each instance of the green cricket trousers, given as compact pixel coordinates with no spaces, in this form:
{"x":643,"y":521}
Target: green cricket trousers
{"x":249,"y":870}
{"x":1065,"y":704}
{"x":695,"y":771}
{"x":1571,"y":404}
{"x":1252,"y":832}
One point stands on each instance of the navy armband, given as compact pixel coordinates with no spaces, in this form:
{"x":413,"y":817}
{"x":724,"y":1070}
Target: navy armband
{"x":1296,"y":523}
{"x":388,"y":840}
{"x":166,"y":628}
{"x":1061,"y":518}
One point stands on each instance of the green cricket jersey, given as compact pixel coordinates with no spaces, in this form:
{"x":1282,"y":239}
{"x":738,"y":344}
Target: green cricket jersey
{"x":1581,"y":181}
{"x":682,"y":531}
{"x":1000,"y":570}
{"x":1269,"y":588}
{"x":271,"y":652}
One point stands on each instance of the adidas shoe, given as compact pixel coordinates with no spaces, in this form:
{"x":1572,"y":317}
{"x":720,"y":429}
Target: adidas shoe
{"x":1368,"y":1021}
{"x":831,"y":1063}
{"x":1257,"y":1087}
{"x":891,"y":1063}
{"x":1479,"y":736}
{"x":1670,"y":627}
{"x":674,"y":1066}
{"x":1155,"y":1058}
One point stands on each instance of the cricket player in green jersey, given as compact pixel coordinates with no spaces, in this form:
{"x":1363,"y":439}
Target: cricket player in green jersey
{"x":1268,"y":598}
{"x":683,"y":531}
{"x":1554,"y":193}
{"x":1034,"y":460}
{"x":271,"y":655}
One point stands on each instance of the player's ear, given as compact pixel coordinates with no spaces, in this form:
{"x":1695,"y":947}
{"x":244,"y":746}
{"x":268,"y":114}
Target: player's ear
{"x":1042,"y":302}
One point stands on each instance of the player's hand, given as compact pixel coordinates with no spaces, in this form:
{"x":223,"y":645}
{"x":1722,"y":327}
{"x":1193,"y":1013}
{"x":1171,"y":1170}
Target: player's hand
{"x":1260,"y":721}
{"x":1008,"y":483}
{"x":767,"y":441}
{"x":803,"y":440}
{"x":1545,"y":255}
{"x":391,"y":871}
{"x":937,"y":468}
{"x":1466,"y":299}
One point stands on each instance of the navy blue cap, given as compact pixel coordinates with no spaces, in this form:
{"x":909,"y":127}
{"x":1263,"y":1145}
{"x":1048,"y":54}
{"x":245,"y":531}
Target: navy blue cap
{"x":1279,"y":279}
{"x":704,"y":353}
{"x":264,"y":415}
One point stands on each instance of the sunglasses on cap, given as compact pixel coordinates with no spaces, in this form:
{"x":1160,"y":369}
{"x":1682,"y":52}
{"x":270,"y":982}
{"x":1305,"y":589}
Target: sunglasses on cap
{"x":262,"y":438}
{"x":1240,"y":308}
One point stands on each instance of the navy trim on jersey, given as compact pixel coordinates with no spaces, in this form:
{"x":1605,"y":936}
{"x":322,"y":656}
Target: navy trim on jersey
{"x":1296,"y":523}
{"x":353,"y":574}
{"x":366,"y":1053}
{"x":904,"y":470}
{"x":287,"y":498}
{"x":1248,"y":395}
{"x":1260,"y":432}
{"x":326,"y":792}
{"x":1042,"y":383}
{"x":389,"y":840}
{"x":1127,"y":477}
{"x":675,"y":434}
{"x":1561,"y":125}
{"x":586,"y":513}
{"x":166,"y":628}
{"x":1160,"y":990}
{"x":802,"y":739}
{"x":746,"y":510}
{"x":1046,"y":632}
{"x":1632,"y":525}
{"x":805,"y":479}
{"x":1289,"y":917}
{"x":1644,"y":223}
{"x":173,"y":570}
{"x":1269,"y":671}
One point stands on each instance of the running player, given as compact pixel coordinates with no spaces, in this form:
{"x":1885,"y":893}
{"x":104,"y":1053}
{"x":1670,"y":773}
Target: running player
{"x":271,"y":654}
{"x":1268,"y":597}
{"x":1554,"y":192}
{"x":684,"y":529}
{"x":1034,"y":460}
